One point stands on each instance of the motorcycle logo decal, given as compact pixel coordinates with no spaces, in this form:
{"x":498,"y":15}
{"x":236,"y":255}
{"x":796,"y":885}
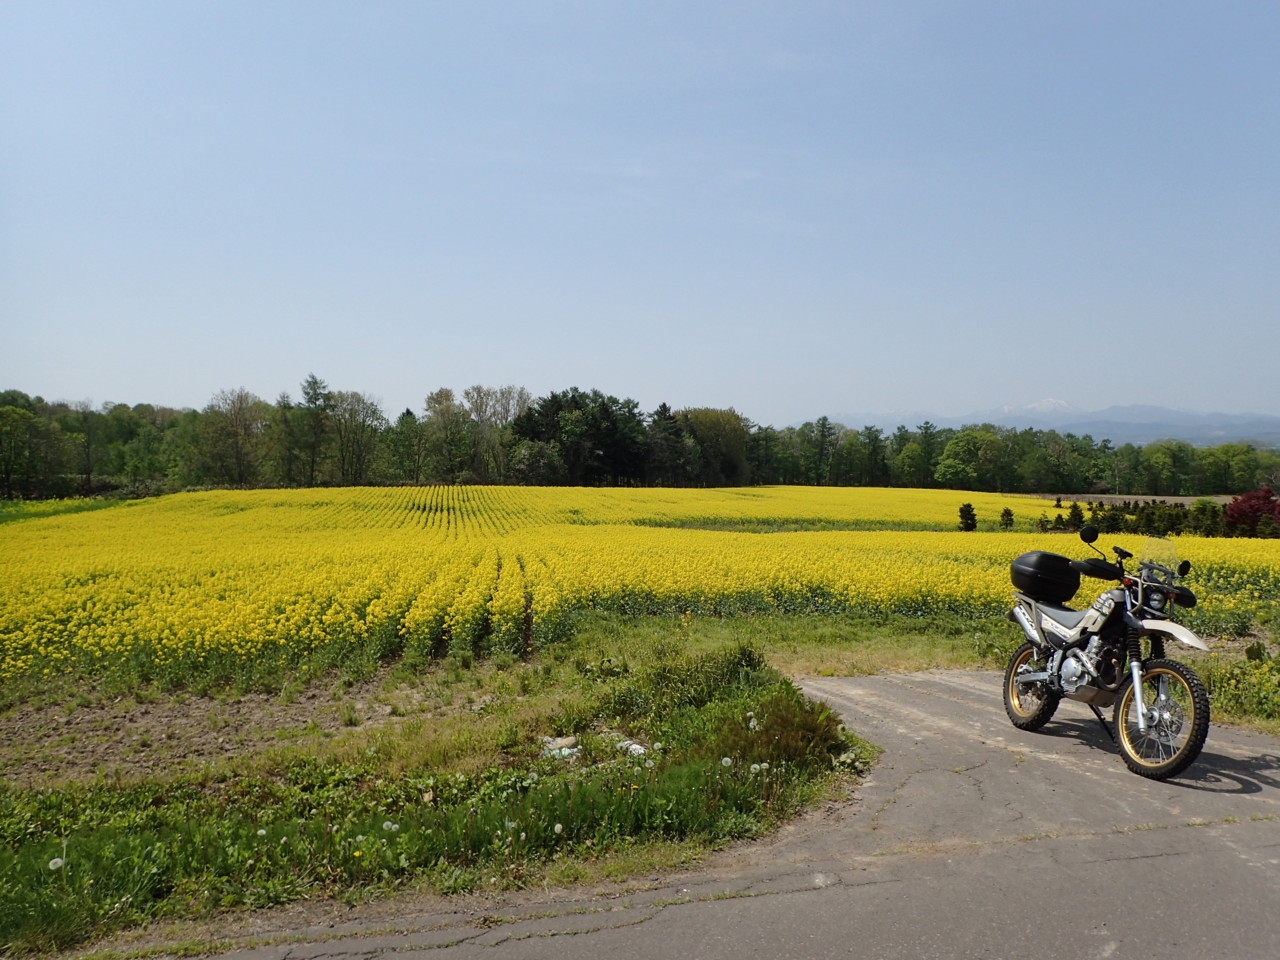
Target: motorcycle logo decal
{"x":1054,"y":627}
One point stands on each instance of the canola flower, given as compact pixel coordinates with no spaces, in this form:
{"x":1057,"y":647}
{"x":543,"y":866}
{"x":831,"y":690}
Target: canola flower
{"x":215,"y":583}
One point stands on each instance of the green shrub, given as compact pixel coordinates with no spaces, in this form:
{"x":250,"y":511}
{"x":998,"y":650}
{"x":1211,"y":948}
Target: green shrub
{"x":784,"y":728}
{"x":679,"y":680}
{"x":1246,"y":688}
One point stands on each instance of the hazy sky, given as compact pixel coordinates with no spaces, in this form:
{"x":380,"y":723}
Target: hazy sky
{"x":791,"y":208}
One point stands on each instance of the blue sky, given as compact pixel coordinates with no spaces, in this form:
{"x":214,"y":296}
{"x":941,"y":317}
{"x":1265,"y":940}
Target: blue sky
{"x":793,"y":208}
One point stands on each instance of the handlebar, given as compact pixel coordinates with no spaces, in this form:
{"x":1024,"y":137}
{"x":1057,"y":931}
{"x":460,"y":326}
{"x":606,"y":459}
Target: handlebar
{"x":1098,"y":569}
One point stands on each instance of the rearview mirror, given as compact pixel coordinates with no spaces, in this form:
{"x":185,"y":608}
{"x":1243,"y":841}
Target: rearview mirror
{"x":1088,"y":533}
{"x":1184,"y":568}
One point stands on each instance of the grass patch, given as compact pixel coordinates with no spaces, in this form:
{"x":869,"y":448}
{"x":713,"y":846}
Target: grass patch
{"x":836,"y":645}
{"x":459,"y":796}
{"x":1245,"y":686}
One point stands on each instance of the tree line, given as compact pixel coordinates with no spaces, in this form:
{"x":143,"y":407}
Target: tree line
{"x":577,"y":437}
{"x":1252,"y":514}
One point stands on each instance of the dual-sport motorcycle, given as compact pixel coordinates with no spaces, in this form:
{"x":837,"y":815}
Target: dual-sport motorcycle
{"x":1111,"y":653}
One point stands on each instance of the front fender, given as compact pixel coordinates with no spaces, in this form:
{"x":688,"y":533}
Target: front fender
{"x":1175,"y":630}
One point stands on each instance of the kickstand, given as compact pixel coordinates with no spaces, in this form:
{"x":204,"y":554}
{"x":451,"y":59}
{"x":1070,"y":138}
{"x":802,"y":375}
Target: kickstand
{"x":1098,"y":713}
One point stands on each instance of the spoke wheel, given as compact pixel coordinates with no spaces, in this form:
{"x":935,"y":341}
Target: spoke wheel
{"x":1029,"y":706}
{"x":1176,"y":706}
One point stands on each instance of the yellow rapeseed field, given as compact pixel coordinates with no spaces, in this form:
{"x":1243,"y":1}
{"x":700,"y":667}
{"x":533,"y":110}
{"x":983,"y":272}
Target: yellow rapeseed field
{"x":218,"y":582}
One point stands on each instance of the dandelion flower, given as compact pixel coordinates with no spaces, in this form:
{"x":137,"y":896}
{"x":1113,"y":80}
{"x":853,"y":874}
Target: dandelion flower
{"x":559,"y":828}
{"x":387,"y":825}
{"x":57,"y":862}
{"x":726,"y":762}
{"x":755,"y":768}
{"x":262,"y":832}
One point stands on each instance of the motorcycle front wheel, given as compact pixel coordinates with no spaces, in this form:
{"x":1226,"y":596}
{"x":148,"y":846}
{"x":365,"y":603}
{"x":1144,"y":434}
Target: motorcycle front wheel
{"x":1029,"y":706}
{"x":1177,"y":713}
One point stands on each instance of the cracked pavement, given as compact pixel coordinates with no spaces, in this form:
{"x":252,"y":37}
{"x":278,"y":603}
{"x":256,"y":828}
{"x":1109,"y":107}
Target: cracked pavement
{"x":969,"y":838}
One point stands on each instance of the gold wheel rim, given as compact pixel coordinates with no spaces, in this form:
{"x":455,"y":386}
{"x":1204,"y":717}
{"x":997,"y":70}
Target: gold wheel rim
{"x":1015,"y":697}
{"x":1169,"y":734}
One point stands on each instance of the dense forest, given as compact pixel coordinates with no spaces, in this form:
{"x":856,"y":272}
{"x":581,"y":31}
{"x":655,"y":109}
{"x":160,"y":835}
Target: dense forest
{"x":505,"y":435}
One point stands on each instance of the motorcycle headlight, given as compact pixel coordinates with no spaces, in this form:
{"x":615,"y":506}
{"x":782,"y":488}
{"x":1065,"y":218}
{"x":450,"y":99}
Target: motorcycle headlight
{"x":1156,"y":600}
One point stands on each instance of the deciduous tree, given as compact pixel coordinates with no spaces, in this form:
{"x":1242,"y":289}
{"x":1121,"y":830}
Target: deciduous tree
{"x":358,"y":422}
{"x":231,"y":436}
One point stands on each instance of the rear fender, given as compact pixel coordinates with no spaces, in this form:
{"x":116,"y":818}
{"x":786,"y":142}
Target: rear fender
{"x":1175,"y":630}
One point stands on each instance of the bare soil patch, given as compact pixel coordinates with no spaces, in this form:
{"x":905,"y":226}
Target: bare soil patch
{"x":89,"y":735}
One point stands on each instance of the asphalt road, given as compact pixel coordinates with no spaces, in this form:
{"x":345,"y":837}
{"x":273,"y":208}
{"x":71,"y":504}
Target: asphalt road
{"x":969,"y":839}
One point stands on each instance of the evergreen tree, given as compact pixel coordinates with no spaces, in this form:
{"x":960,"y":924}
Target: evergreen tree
{"x":1075,"y":517}
{"x":316,"y":428}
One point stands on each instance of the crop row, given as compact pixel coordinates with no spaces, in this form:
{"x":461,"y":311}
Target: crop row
{"x":216,"y":583}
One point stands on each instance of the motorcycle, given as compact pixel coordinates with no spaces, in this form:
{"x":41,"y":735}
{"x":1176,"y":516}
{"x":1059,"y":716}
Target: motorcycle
{"x":1113,"y":652}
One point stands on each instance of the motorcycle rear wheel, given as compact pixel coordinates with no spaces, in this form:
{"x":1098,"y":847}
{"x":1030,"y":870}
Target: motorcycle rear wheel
{"x":1030,"y":706}
{"x":1177,"y":708}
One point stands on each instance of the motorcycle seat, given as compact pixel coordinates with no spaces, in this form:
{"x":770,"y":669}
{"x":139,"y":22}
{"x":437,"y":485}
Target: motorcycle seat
{"x":1064,"y":615}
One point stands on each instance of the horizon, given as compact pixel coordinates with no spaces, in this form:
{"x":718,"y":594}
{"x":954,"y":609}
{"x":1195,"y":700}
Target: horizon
{"x":853,"y":420}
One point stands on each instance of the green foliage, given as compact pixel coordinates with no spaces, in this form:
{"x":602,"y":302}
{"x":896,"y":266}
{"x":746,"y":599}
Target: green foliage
{"x":680,"y":680}
{"x":574,"y":436}
{"x":1246,"y":688}
{"x":783,"y":727}
{"x":598,"y":438}
{"x":84,"y":859}
{"x":1075,"y":517}
{"x":1206,"y":518}
{"x":722,"y":438}
{"x":968,"y":517}
{"x":1252,"y":514}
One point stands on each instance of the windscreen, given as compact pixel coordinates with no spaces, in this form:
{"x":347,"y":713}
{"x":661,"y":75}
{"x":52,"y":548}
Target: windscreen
{"x":1160,"y":551}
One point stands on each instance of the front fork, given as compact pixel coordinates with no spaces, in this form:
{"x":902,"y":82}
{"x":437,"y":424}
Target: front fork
{"x":1135,"y":671}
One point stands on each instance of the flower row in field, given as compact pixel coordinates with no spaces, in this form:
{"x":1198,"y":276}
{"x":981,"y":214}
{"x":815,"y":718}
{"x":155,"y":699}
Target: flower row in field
{"x":212,"y":581}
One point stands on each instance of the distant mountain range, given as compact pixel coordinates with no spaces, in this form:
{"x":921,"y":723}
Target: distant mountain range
{"x":1135,"y":423}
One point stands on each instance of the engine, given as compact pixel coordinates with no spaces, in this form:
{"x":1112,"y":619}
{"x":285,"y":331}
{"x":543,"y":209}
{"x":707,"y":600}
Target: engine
{"x":1076,"y":671}
{"x":1089,"y":675}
